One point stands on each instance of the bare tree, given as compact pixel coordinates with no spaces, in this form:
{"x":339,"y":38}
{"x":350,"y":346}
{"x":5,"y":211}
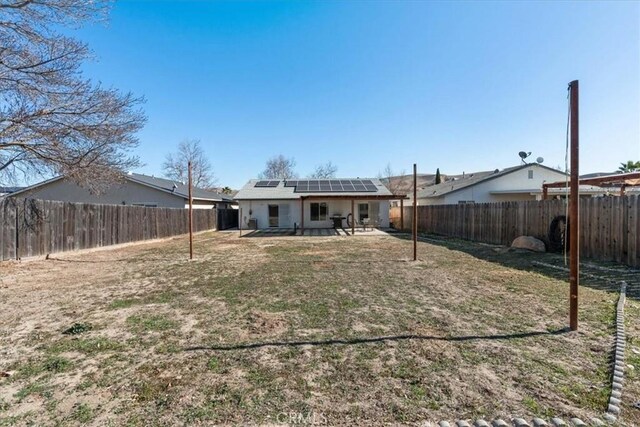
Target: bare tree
{"x":326,"y":171}
{"x":52,"y":119}
{"x":395,"y":182}
{"x":279,"y":167}
{"x":175,"y":165}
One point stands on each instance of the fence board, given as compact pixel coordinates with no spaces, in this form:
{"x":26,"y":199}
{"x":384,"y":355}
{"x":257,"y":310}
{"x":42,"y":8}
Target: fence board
{"x":48,"y":226}
{"x":609,"y":226}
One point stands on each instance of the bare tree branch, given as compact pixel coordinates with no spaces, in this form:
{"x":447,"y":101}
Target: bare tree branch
{"x":279,"y":167}
{"x":392,"y":180}
{"x":52,"y":120}
{"x":325,"y":171}
{"x":190,"y":150}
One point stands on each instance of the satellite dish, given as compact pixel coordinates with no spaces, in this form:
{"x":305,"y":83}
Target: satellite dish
{"x":523,"y":155}
{"x":540,"y":160}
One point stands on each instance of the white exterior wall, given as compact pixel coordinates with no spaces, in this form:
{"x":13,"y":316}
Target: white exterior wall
{"x":259,"y":209}
{"x":518,"y":180}
{"x":205,"y":204}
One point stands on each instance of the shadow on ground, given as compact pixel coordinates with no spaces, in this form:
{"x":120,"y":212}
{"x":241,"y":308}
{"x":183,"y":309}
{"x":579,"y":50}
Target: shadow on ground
{"x":593,"y":274}
{"x":357,"y":341}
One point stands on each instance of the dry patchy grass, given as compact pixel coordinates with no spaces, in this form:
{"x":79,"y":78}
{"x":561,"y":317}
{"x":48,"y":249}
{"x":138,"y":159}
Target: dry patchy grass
{"x":253,"y":328}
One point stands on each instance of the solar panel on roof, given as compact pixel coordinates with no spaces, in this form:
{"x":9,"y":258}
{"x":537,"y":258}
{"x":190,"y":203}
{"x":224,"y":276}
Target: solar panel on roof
{"x":267,"y":184}
{"x":332,"y":185}
{"x":336,"y":186}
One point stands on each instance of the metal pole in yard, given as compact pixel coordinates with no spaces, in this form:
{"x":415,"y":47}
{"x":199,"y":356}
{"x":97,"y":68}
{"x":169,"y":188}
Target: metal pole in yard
{"x":574,"y":209}
{"x":415,"y":212}
{"x":190,"y":215}
{"x":401,"y":214}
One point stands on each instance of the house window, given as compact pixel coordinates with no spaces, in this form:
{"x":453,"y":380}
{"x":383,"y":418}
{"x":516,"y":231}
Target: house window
{"x":530,"y":174}
{"x":363,"y":211}
{"x":319,"y":211}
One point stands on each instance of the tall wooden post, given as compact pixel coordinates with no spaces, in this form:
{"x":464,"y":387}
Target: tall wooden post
{"x":415,"y":212}
{"x":574,"y":208}
{"x":301,"y":216}
{"x":190,"y":214}
{"x":240,"y":222}
{"x":401,"y":215}
{"x":545,"y":192}
{"x":353,"y":219}
{"x":18,"y":231}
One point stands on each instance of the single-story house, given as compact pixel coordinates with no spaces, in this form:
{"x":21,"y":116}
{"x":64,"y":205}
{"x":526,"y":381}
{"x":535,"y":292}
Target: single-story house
{"x":314,"y":203}
{"x":135,"y":189}
{"x":523,"y":182}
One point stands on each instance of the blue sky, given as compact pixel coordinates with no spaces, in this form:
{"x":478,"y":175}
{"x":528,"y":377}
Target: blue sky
{"x":457,"y":86}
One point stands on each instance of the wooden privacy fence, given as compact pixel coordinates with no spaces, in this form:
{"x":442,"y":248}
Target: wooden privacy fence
{"x":36,"y":227}
{"x":609,"y":226}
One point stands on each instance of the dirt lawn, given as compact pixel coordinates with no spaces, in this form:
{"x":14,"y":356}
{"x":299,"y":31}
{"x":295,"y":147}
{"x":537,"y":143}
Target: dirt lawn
{"x":344,"y":331}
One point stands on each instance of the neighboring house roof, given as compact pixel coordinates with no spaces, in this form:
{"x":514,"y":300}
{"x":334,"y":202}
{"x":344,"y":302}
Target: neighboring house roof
{"x":178,"y":189}
{"x":597,"y":174}
{"x":282,"y":192}
{"x":9,"y":190}
{"x":584,"y":189}
{"x":475,"y":178}
{"x":404,"y":183}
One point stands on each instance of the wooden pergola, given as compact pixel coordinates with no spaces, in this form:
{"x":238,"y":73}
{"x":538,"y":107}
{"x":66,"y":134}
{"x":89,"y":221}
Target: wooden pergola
{"x":353,"y":198}
{"x":623,"y":180}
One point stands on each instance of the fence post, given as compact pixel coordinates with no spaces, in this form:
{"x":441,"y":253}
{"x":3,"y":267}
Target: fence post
{"x":17,"y":233}
{"x":574,"y":209}
{"x":415,"y":212}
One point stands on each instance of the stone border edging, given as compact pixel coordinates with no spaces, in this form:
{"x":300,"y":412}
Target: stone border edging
{"x":521,"y":422}
{"x":613,"y":410}
{"x":615,"y":398}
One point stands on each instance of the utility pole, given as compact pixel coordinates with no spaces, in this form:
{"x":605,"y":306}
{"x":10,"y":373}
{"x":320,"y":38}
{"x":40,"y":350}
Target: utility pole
{"x":574,"y":208}
{"x":190,"y":215}
{"x":415,"y":212}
